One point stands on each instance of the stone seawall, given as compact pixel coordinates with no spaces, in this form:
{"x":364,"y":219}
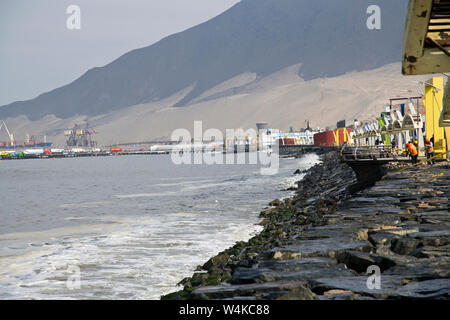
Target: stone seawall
{"x":320,"y":243}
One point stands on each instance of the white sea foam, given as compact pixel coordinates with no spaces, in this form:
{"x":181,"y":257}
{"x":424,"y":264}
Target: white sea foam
{"x":135,"y":260}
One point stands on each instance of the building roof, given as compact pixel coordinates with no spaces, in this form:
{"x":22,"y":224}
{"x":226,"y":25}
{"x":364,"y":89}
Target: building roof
{"x":426,"y":43}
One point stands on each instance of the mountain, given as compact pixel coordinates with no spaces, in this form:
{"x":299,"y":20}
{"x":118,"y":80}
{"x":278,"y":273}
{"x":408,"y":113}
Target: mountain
{"x":260,"y":37}
{"x":281,"y":99}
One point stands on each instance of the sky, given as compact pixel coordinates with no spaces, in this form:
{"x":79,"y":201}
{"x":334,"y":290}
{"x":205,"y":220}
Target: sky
{"x":38,"y":53}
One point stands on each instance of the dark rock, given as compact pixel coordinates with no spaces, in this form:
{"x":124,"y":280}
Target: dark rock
{"x":238,"y":298}
{"x":218,"y":261}
{"x":360,"y":261}
{"x":317,"y":248}
{"x":419,"y":253}
{"x":382,"y":238}
{"x":296,"y":265}
{"x":253,"y":275}
{"x":405,"y":245}
{"x":421,"y":269}
{"x":226,"y":291}
{"x":432,"y":238}
{"x":428,"y":289}
{"x":298,"y":293}
{"x":275,"y":203}
{"x":246,"y":263}
{"x":357,"y":285}
{"x":289,"y":270}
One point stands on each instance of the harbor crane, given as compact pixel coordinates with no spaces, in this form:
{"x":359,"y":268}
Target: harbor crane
{"x":80,"y":137}
{"x":10,"y":135}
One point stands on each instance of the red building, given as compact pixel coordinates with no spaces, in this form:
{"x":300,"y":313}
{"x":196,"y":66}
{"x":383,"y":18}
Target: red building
{"x":332,"y":138}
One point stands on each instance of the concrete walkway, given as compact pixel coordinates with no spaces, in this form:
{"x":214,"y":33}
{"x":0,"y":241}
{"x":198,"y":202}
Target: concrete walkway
{"x":401,"y":225}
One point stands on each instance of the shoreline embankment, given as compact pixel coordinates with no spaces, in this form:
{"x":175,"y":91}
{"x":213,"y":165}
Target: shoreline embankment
{"x":325,"y":241}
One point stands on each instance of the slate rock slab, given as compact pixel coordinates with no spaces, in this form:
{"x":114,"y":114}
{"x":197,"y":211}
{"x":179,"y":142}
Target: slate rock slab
{"x":318,"y":248}
{"x":428,"y":289}
{"x":389,"y":285}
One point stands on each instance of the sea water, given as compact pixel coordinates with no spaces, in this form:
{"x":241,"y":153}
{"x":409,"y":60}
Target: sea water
{"x":124,"y":227}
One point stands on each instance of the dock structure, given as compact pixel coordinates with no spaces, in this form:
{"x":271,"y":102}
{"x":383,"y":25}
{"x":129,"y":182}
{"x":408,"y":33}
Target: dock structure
{"x":379,"y":154}
{"x":367,"y":163}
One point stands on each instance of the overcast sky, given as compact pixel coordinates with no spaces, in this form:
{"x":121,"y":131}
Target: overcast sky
{"x":39,"y":53}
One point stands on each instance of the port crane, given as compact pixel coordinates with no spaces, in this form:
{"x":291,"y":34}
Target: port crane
{"x":10,"y":135}
{"x":79,"y":137}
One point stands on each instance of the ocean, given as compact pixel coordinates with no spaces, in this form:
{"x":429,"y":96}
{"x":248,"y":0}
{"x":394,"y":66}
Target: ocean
{"x":124,"y":227}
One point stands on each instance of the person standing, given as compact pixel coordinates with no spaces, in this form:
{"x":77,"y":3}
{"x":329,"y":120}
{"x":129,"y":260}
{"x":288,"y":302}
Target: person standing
{"x":413,"y":153}
{"x":429,"y":150}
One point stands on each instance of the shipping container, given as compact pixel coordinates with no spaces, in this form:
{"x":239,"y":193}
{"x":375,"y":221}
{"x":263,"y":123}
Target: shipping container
{"x":115,"y":149}
{"x":286,"y":141}
{"x":332,"y":138}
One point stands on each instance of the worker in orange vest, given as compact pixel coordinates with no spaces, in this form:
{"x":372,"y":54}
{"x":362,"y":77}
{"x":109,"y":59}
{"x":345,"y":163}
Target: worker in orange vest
{"x":413,"y":152}
{"x":429,"y":150}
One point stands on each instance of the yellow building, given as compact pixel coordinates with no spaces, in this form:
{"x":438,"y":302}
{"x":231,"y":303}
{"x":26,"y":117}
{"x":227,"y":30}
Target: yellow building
{"x":426,"y":48}
{"x":434,"y":95}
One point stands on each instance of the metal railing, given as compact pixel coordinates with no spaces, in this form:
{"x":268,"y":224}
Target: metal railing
{"x":375,"y":153}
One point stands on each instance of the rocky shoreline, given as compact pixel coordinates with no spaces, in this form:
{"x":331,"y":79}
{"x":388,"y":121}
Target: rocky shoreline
{"x":319,"y":243}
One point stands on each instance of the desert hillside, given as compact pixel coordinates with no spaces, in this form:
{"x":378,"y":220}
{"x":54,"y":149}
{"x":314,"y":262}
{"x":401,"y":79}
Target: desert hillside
{"x":282,"y":99}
